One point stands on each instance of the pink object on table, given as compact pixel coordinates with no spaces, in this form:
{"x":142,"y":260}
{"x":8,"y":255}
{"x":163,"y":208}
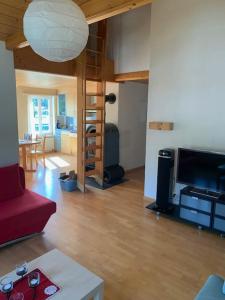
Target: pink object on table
{"x":21,"y":286}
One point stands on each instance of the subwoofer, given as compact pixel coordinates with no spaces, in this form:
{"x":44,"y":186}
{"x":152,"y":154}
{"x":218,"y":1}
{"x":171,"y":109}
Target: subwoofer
{"x":165,"y":179}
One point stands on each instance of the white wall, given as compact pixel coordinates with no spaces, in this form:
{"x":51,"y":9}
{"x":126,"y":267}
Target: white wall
{"x":133,"y":98}
{"x":187,"y":83}
{"x":71,"y":98}
{"x":129,"y":113}
{"x":129,"y":47}
{"x":112,"y":110}
{"x":8,"y":114}
{"x":128,"y":40}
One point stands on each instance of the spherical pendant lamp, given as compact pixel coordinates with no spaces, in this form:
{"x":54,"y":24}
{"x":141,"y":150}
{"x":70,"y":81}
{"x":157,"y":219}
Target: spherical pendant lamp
{"x":55,"y":29}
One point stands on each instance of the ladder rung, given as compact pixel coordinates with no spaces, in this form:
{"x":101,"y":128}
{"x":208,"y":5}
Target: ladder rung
{"x":93,"y":51}
{"x":93,"y":121}
{"x":92,"y":147}
{"x":96,"y":36}
{"x":94,"y":134}
{"x":93,"y":107}
{"x":92,"y":160}
{"x":93,"y":66}
{"x":94,"y":95}
{"x":90,"y":173}
{"x":94,"y":79}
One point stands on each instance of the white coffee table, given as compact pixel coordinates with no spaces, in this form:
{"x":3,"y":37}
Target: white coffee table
{"x":75,"y":281}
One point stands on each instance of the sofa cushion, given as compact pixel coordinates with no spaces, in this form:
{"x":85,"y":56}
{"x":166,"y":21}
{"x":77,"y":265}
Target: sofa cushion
{"x":10,"y":185}
{"x":24,"y":215}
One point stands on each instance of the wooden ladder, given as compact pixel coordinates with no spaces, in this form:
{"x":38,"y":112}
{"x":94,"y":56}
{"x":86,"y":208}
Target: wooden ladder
{"x":91,"y":106}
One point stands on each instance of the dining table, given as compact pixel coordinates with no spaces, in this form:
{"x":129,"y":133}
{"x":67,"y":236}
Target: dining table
{"x":24,"y":145}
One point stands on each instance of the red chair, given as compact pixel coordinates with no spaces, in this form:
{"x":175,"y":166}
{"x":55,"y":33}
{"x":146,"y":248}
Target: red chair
{"x":22,"y":212}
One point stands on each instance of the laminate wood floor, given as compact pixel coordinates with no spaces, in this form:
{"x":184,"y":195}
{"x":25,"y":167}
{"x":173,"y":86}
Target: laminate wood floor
{"x":111,"y":233}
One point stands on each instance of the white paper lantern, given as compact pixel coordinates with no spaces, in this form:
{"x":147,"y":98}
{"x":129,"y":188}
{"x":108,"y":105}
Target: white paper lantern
{"x":55,"y":29}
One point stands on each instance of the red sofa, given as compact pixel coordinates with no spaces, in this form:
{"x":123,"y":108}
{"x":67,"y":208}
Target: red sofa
{"x":22,"y":212}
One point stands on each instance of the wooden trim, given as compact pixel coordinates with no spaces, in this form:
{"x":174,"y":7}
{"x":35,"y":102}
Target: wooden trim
{"x":94,"y":10}
{"x":16,"y":40}
{"x":166,"y":126}
{"x":109,"y":71}
{"x":132,"y":76}
{"x":149,"y":199}
{"x":27,"y":59}
{"x":134,"y":169}
{"x":81,"y":102}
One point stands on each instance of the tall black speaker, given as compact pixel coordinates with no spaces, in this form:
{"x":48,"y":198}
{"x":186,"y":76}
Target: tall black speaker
{"x":165,"y":179}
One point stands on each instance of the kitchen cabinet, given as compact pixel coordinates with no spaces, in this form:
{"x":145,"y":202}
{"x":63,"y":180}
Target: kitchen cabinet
{"x":69,"y":143}
{"x":65,"y":148}
{"x":58,"y":140}
{"x":73,"y":145}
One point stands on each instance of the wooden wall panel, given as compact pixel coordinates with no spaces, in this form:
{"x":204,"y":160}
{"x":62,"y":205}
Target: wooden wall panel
{"x":26,"y":59}
{"x":94,"y":10}
{"x":164,"y":126}
{"x":97,"y":10}
{"x":11,"y":12}
{"x":132,"y":76}
{"x":19,"y":4}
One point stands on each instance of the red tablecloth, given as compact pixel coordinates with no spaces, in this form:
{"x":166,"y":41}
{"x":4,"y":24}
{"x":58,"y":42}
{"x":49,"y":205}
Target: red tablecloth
{"x":22,"y":286}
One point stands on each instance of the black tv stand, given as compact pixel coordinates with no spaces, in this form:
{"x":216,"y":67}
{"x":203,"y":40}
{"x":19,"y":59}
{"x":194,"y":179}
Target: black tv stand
{"x":168,"y":211}
{"x":200,"y":207}
{"x":203,"y":192}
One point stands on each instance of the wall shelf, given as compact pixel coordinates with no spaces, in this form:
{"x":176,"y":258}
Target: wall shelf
{"x":163,"y":126}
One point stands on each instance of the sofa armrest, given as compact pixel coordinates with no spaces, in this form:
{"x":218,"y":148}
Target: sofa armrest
{"x":22,"y":177}
{"x":212,"y":289}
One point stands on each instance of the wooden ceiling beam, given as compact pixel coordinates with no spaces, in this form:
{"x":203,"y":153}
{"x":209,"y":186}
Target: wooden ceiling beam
{"x":21,"y":4}
{"x":97,"y":10}
{"x":94,"y":10}
{"x":26,"y":59}
{"x":16,"y":40}
{"x":132,"y":76}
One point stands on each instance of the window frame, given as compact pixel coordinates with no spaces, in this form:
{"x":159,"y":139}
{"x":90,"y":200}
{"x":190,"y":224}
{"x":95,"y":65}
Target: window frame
{"x":51,"y":100}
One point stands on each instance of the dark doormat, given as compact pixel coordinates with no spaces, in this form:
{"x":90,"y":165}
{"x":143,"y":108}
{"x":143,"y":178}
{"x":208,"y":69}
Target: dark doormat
{"x":92,"y":182}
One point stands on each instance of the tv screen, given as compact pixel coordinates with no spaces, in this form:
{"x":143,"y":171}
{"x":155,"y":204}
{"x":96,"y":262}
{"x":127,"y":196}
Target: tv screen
{"x":201,"y":169}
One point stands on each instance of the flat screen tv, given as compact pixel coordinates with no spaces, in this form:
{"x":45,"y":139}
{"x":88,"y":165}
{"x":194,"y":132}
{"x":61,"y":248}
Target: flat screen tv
{"x":201,"y":169}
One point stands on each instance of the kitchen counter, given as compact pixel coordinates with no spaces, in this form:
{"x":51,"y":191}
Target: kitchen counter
{"x":65,"y":130}
{"x":66,"y":141}
{"x":69,"y":133}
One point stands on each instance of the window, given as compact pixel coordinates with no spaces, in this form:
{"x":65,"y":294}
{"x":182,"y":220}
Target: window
{"x":41,"y":115}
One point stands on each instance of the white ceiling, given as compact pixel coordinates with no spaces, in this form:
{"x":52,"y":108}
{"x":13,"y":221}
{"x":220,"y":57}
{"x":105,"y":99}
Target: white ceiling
{"x":43,"y":80}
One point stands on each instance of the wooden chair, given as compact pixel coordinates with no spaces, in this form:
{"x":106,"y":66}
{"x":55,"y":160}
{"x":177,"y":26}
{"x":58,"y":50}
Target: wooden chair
{"x":27,"y":137}
{"x":20,"y":156}
{"x":38,"y":150}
